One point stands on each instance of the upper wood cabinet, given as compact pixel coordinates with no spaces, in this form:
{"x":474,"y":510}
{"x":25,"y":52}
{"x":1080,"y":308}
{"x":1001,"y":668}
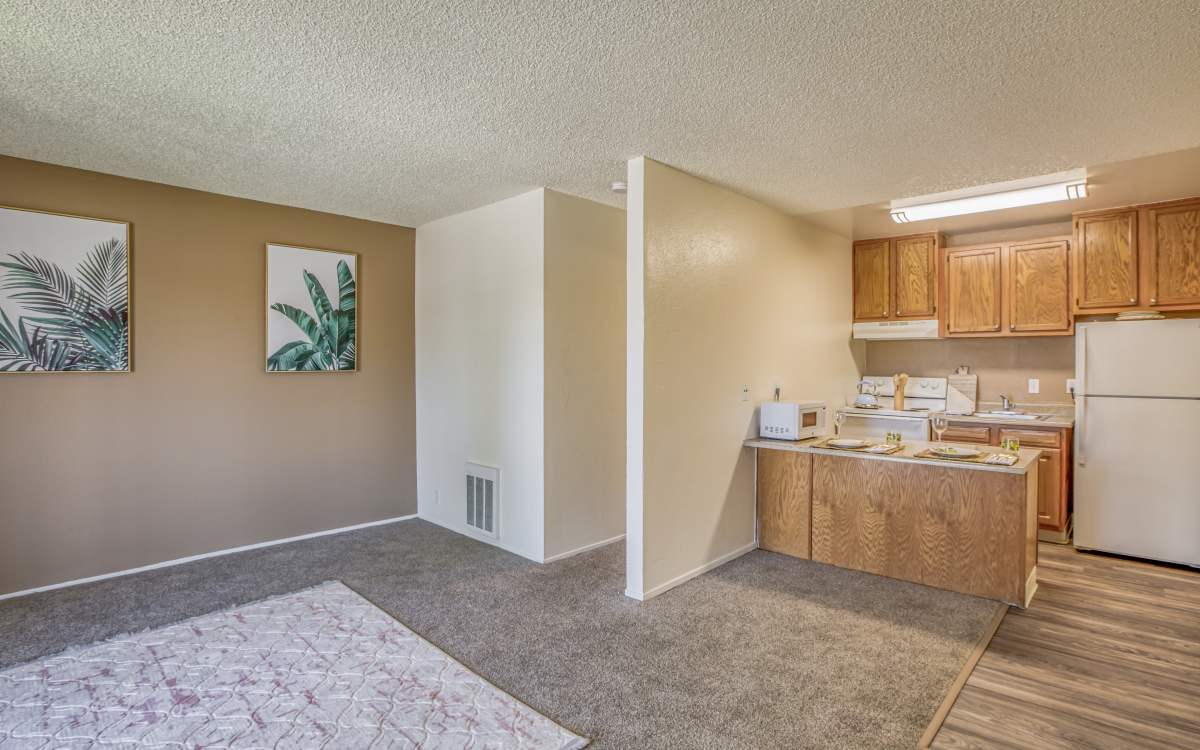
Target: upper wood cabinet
{"x":896,"y":278}
{"x":1172,"y":252}
{"x":1106,"y":260}
{"x":915,"y":261}
{"x":1039,"y":290}
{"x":974,"y":290}
{"x":1008,"y":289}
{"x":1138,"y":256}
{"x":872,"y":279}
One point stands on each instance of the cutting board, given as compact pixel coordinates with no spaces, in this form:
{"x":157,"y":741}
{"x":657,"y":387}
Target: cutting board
{"x":961,"y":393}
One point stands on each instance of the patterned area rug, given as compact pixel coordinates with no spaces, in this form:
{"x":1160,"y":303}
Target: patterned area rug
{"x":320,"y":668}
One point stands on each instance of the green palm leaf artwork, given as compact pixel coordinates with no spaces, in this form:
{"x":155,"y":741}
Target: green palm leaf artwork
{"x":66,"y":322}
{"x":329,"y":329}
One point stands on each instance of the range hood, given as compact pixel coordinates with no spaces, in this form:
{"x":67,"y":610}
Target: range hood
{"x":896,"y":330}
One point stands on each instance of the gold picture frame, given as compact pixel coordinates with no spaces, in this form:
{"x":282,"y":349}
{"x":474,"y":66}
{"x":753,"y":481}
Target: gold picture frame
{"x":5,"y":255}
{"x":269,"y":310}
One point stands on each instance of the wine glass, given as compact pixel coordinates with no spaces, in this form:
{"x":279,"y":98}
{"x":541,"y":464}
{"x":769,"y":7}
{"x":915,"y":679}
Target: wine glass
{"x":838,"y":421}
{"x":939,"y":424}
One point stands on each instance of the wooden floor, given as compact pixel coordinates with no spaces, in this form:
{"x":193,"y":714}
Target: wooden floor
{"x":1106,"y":656}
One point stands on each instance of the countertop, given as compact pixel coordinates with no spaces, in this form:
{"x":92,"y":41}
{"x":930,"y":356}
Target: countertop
{"x":1056,"y":416}
{"x":1026,"y":456}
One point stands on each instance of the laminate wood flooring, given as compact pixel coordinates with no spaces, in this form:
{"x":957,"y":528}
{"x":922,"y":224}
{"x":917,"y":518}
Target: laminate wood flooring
{"x":1106,"y":656}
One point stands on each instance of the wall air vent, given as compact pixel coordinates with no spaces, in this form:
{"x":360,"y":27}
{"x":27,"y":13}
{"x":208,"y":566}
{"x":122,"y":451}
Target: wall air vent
{"x":483,"y":499}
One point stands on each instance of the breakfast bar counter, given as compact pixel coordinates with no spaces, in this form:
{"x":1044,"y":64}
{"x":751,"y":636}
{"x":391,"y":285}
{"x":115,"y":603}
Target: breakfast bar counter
{"x":957,"y":525}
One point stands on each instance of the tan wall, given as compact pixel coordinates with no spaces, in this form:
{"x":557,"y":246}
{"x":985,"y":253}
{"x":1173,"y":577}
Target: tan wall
{"x":735,"y":293}
{"x":585,"y":372}
{"x":198,"y":449}
{"x":1004,"y":366}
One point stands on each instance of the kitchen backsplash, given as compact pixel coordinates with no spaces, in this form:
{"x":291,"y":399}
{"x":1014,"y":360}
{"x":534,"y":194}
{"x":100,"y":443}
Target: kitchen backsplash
{"x":1004,"y":366}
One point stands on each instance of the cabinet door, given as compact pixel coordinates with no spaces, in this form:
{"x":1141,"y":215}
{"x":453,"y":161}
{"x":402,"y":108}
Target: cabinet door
{"x":872,"y":279}
{"x":973,"y":290}
{"x":1106,"y":260}
{"x":915,"y":264}
{"x":784,"y":500}
{"x":967,"y":432}
{"x":1039,"y":296}
{"x":1050,"y":500}
{"x":1174,"y":254}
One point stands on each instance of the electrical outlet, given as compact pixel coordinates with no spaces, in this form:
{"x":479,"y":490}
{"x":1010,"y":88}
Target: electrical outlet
{"x":1071,"y":385}
{"x":1035,"y":385}
{"x":745,"y":393}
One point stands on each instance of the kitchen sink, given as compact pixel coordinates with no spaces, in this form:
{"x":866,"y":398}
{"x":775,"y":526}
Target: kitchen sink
{"x":1009,"y":415}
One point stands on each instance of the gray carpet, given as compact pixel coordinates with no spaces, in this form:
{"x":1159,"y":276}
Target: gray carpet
{"x":764,"y":652}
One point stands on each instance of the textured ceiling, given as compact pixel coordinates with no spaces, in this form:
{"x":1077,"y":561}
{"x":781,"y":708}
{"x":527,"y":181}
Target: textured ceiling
{"x":405,"y":112}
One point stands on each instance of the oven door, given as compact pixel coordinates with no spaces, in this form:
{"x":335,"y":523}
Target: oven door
{"x":879,"y":425}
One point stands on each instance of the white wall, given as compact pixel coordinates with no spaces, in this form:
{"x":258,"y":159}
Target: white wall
{"x":731,"y":293}
{"x":520,"y":324}
{"x":585,"y":373}
{"x":479,"y":362}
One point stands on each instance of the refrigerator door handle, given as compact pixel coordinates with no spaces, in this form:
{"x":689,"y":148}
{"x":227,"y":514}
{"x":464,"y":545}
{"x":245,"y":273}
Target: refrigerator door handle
{"x":1081,"y":399}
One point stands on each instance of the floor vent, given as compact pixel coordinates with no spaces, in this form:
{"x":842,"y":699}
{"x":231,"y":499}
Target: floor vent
{"x":483,"y":498}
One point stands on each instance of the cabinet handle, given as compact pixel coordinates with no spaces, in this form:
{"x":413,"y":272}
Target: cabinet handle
{"x":1153,"y":300}
{"x":1132,"y":299}
{"x":1043,"y":460}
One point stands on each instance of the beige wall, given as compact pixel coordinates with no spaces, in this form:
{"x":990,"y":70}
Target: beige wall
{"x":585,"y":372}
{"x":734,"y":293}
{"x":1004,"y":365}
{"x":198,"y":449}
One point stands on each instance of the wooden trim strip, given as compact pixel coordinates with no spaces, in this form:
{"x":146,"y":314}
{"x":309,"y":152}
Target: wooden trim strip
{"x":956,"y":687}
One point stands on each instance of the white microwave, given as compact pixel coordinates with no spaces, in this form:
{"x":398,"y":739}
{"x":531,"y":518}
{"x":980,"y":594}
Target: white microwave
{"x":791,"y":420}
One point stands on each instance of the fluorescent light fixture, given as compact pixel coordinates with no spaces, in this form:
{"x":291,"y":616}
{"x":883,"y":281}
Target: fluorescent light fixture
{"x":1062,"y":186}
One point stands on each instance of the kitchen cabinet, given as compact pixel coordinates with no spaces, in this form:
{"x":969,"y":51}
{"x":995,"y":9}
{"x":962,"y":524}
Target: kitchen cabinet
{"x":915,"y":263}
{"x":1008,"y":289}
{"x":974,"y":290}
{"x":1039,"y":289}
{"x":1145,"y":256}
{"x":1054,"y":465}
{"x":872,"y":279}
{"x":784,"y":483}
{"x":1172,"y":252}
{"x":1106,"y":260}
{"x":896,"y":278}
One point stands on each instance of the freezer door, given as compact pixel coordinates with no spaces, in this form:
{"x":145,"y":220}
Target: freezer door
{"x":1139,"y":358}
{"x":1137,"y":478}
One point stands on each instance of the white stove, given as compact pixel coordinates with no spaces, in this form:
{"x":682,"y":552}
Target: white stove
{"x":922,"y":397}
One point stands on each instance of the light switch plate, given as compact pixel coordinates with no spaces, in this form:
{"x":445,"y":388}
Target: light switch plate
{"x":1035,"y":385}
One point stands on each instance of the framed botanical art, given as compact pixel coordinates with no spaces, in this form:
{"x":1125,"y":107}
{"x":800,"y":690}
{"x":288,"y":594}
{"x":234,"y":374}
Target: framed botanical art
{"x":64,"y":293}
{"x":312,"y":310}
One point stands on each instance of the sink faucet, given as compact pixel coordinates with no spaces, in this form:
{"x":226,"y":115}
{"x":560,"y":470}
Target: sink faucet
{"x":1006,"y":403}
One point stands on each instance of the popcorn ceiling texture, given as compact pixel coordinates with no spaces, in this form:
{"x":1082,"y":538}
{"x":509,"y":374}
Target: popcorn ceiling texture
{"x":407,"y":112}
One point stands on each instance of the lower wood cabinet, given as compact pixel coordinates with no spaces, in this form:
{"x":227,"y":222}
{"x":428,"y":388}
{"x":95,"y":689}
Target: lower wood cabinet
{"x":1051,"y":501}
{"x":1054,"y":465}
{"x":784,"y":488}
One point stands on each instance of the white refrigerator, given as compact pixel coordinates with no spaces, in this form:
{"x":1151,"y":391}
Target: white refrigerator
{"x":1137,"y":438}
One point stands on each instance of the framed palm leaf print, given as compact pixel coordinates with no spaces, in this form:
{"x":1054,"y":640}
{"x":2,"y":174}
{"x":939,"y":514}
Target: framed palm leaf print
{"x":64,"y":293}
{"x":312,"y":310}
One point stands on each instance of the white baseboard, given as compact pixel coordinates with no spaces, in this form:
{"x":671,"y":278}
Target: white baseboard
{"x":205,"y":555}
{"x":584,"y":548}
{"x":465,"y":531}
{"x":662,"y":587}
